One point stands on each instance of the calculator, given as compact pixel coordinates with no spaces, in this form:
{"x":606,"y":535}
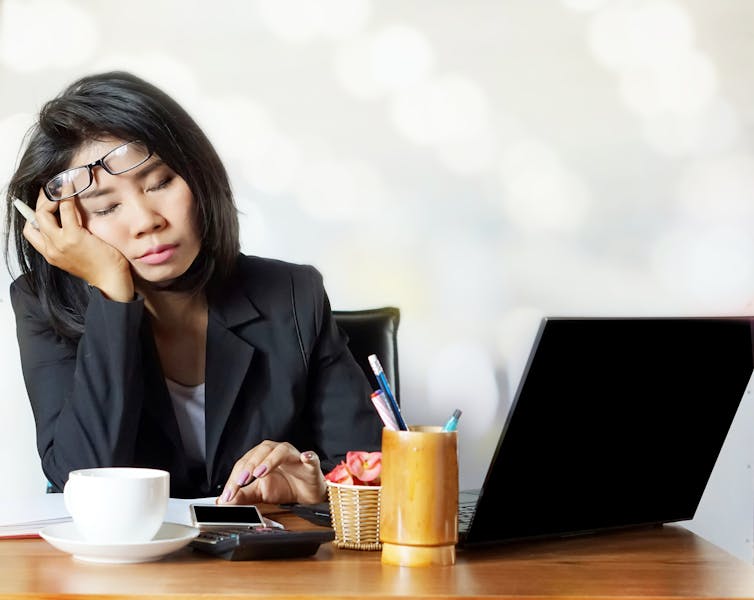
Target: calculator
{"x":259,"y":543}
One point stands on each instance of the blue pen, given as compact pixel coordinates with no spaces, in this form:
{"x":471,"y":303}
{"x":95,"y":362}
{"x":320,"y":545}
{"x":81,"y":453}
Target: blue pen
{"x":453,"y":421}
{"x":385,"y":387}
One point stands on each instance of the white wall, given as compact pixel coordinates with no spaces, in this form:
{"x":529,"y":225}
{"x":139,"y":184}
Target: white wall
{"x":19,"y":462}
{"x":477,"y":164}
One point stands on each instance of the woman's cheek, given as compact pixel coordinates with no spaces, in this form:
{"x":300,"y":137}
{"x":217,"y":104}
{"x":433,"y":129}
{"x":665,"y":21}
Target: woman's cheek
{"x":105,"y":233}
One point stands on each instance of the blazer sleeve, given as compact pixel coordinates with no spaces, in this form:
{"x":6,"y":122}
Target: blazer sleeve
{"x":86,"y":397}
{"x":341,"y":414}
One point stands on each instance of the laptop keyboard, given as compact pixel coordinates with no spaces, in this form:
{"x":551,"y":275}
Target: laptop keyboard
{"x":465,"y":513}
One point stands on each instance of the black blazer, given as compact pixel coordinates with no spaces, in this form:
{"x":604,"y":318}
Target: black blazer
{"x":277,"y":368}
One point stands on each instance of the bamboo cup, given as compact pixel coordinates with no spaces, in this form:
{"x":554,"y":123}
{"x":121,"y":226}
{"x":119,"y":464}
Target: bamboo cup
{"x":419,"y":511}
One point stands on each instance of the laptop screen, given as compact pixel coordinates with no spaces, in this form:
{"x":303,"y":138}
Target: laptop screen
{"x":617,"y":422}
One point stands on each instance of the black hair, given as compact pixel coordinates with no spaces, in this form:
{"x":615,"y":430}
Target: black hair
{"x":121,"y":105}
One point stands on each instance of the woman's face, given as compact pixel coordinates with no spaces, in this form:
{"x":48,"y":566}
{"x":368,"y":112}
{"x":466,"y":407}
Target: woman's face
{"x":147,"y":214}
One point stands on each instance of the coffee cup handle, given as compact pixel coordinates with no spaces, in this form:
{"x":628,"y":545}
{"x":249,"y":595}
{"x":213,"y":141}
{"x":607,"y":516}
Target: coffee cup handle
{"x":68,"y":493}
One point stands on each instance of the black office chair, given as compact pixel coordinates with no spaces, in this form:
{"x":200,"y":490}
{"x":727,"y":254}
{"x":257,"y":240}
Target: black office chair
{"x":373,"y":331}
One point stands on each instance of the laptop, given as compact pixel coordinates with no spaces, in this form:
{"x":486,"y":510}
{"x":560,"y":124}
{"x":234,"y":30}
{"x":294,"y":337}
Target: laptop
{"x":616,"y":423}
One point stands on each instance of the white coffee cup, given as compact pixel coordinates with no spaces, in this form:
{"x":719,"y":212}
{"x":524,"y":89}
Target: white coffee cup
{"x":117,"y":505}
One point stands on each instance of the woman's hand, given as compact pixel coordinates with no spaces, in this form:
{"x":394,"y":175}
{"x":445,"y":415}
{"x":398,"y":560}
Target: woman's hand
{"x":283,"y":474}
{"x":68,"y":245}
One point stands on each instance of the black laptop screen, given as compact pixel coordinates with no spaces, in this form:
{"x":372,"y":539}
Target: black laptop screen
{"x":617,"y":422}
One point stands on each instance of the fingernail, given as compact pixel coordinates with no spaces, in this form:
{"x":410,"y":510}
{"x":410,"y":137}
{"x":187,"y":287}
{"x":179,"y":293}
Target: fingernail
{"x":260,"y":470}
{"x":225,"y":497}
{"x":243,"y":478}
{"x":307,"y":455}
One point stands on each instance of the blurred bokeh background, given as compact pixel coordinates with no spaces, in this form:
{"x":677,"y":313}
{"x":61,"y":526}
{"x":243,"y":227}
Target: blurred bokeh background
{"x":478,"y":164}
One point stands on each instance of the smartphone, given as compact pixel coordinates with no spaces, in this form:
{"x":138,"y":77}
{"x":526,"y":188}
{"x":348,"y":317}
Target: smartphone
{"x":225,"y":515}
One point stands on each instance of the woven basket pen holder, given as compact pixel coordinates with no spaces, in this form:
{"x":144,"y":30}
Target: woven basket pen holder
{"x":355,"y":515}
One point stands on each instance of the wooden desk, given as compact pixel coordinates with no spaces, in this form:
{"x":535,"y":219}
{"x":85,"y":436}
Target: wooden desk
{"x":668,"y":562}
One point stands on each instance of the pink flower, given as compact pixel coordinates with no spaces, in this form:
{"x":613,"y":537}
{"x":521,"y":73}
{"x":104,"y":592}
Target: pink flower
{"x":359,"y":468}
{"x":340,"y":474}
{"x":365,"y":466}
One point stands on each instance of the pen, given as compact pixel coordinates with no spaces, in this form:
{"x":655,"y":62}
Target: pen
{"x":385,"y":387}
{"x":453,"y":421}
{"x":27,"y":212}
{"x":378,"y":399}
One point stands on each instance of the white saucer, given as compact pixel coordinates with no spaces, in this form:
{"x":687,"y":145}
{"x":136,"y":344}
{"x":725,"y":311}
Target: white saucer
{"x":170,"y":537}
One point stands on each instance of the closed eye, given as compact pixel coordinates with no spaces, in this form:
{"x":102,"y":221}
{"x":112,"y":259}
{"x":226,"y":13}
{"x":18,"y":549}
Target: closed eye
{"x":161,"y":185}
{"x":105,"y":211}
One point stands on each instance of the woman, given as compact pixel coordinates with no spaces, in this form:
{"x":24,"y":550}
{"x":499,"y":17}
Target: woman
{"x":146,"y":339}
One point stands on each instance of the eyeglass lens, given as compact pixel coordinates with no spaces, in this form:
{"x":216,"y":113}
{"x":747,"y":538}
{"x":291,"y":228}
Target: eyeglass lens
{"x":119,"y":160}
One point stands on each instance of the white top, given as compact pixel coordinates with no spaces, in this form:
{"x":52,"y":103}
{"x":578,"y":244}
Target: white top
{"x":188,"y":405}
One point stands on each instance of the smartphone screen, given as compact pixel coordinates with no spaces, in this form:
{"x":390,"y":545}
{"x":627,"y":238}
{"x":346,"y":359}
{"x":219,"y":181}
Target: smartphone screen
{"x":213,"y":514}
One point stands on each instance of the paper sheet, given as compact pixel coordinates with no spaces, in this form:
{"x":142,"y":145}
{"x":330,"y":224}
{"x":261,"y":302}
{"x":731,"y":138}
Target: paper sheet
{"x":27,"y":515}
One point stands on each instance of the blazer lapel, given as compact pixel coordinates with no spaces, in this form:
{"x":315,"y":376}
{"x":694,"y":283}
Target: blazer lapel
{"x":228,"y":359}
